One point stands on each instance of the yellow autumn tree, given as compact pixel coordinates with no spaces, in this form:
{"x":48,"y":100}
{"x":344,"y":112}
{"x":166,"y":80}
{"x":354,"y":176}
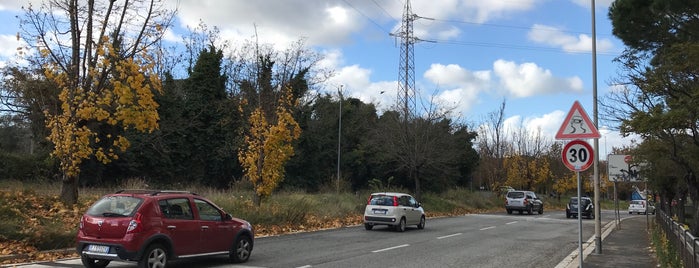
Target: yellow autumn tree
{"x":268,"y":146}
{"x":564,"y":185}
{"x":570,"y":184}
{"x":96,"y":53}
{"x":525,"y":172}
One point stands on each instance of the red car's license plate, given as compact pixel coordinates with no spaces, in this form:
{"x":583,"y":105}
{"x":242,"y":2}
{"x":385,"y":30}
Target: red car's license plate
{"x":98,"y":248}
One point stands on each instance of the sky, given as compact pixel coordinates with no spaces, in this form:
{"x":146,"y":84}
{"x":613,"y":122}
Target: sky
{"x":534,"y":54}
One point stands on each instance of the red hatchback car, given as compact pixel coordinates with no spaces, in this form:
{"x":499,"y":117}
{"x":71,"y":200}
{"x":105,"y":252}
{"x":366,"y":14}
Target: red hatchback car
{"x":152,"y":227}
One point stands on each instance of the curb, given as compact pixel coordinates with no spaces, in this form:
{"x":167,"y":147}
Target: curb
{"x":572,"y":260}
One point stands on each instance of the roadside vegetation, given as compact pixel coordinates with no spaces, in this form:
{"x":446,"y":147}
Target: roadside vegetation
{"x":258,"y":125}
{"x":665,"y":252}
{"x":35,"y":225}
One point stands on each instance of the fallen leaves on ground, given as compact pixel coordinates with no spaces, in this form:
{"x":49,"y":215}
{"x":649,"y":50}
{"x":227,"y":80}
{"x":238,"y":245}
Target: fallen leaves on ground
{"x":13,"y":252}
{"x":36,"y":211}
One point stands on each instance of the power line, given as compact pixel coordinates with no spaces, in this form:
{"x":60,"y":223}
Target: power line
{"x":520,"y":47}
{"x":529,"y":28}
{"x":485,"y":44}
{"x":367,"y":17}
{"x":384,"y":10}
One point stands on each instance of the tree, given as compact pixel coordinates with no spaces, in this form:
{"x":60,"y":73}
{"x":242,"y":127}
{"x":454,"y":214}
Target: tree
{"x":314,"y":164}
{"x":210,"y":120}
{"x":97,"y":55}
{"x":268,"y":146}
{"x":271,"y":85}
{"x":421,"y":150}
{"x":491,"y":148}
{"x":25,"y":94}
{"x":660,"y":98}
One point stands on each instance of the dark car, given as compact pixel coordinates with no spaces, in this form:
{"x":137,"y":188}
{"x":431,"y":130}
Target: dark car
{"x":586,"y":205}
{"x":523,"y":201}
{"x":153,"y":227}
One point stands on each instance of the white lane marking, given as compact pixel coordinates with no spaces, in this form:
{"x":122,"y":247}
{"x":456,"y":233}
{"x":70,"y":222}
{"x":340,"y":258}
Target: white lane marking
{"x":451,"y":235}
{"x":305,"y":266}
{"x":512,"y":222}
{"x":486,"y":228}
{"x":391,"y":248}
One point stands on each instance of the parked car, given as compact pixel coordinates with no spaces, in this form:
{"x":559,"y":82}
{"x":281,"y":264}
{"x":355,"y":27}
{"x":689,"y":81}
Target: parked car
{"x":153,"y":227}
{"x":396,"y":210}
{"x":586,"y":205}
{"x":523,"y":201}
{"x":641,"y":207}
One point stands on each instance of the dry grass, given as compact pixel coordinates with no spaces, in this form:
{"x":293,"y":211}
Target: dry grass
{"x":283,"y":212}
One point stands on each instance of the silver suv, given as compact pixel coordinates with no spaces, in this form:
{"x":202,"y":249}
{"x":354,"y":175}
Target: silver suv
{"x":523,"y":201}
{"x":393,"y":209}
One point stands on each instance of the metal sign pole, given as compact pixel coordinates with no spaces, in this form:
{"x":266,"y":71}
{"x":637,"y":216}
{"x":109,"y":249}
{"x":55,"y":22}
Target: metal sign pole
{"x":580,"y":235}
{"x":617,"y":216}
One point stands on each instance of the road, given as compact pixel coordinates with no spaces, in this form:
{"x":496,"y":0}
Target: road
{"x":474,"y":240}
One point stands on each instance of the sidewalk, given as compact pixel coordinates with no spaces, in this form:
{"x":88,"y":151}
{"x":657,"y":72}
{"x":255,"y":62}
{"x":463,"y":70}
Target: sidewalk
{"x":628,"y":245}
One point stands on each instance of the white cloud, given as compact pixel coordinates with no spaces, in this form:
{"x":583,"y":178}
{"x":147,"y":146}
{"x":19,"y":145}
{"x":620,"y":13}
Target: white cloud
{"x":464,"y":85}
{"x":487,"y":10}
{"x":547,"y":125}
{"x":319,"y":23}
{"x":13,"y":50}
{"x":612,"y":139}
{"x":171,"y":36}
{"x":356,"y":82}
{"x":334,"y":22}
{"x":556,"y":37}
{"x":14,"y":5}
{"x":9,"y":45}
{"x":528,"y":79}
{"x":471,"y":11}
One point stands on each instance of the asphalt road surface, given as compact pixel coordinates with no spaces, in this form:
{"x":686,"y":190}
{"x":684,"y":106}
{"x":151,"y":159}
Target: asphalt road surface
{"x":474,"y":240}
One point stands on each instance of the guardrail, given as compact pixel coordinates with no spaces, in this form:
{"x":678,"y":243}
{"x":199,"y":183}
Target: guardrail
{"x":686,"y":244}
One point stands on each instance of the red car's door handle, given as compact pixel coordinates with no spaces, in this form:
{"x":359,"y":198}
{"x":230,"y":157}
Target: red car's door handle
{"x":205,"y":227}
{"x":172,"y":227}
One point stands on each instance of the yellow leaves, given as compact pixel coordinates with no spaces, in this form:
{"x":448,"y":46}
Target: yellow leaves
{"x":122,"y":143}
{"x":526,"y":172}
{"x":126,"y":100}
{"x":40,"y":215}
{"x":268,"y":146}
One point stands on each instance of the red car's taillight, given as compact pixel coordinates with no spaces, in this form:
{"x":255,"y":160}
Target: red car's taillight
{"x":82,"y":223}
{"x":135,"y":225}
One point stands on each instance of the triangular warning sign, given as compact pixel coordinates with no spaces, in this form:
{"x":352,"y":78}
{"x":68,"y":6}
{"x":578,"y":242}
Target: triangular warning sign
{"x":577,"y":125}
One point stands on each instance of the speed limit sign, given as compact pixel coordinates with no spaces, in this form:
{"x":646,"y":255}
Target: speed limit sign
{"x":577,"y":155}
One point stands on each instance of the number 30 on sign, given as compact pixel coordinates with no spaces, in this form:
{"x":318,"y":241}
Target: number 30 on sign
{"x":578,"y":155}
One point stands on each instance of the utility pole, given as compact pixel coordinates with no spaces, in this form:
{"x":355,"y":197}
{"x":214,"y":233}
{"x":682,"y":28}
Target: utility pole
{"x":598,"y":219}
{"x":339,"y":138}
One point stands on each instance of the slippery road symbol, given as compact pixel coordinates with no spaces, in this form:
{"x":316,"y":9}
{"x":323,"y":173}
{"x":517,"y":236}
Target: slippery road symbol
{"x":577,"y":121}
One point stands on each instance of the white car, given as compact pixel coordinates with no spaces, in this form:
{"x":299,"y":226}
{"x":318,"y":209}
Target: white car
{"x":396,"y":210}
{"x":641,"y":207}
{"x":523,"y":201}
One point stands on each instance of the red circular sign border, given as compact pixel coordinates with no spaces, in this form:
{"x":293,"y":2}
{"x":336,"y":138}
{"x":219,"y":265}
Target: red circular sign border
{"x":584,"y":144}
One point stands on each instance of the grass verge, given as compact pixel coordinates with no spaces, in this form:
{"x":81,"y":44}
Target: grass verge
{"x":33,"y":220}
